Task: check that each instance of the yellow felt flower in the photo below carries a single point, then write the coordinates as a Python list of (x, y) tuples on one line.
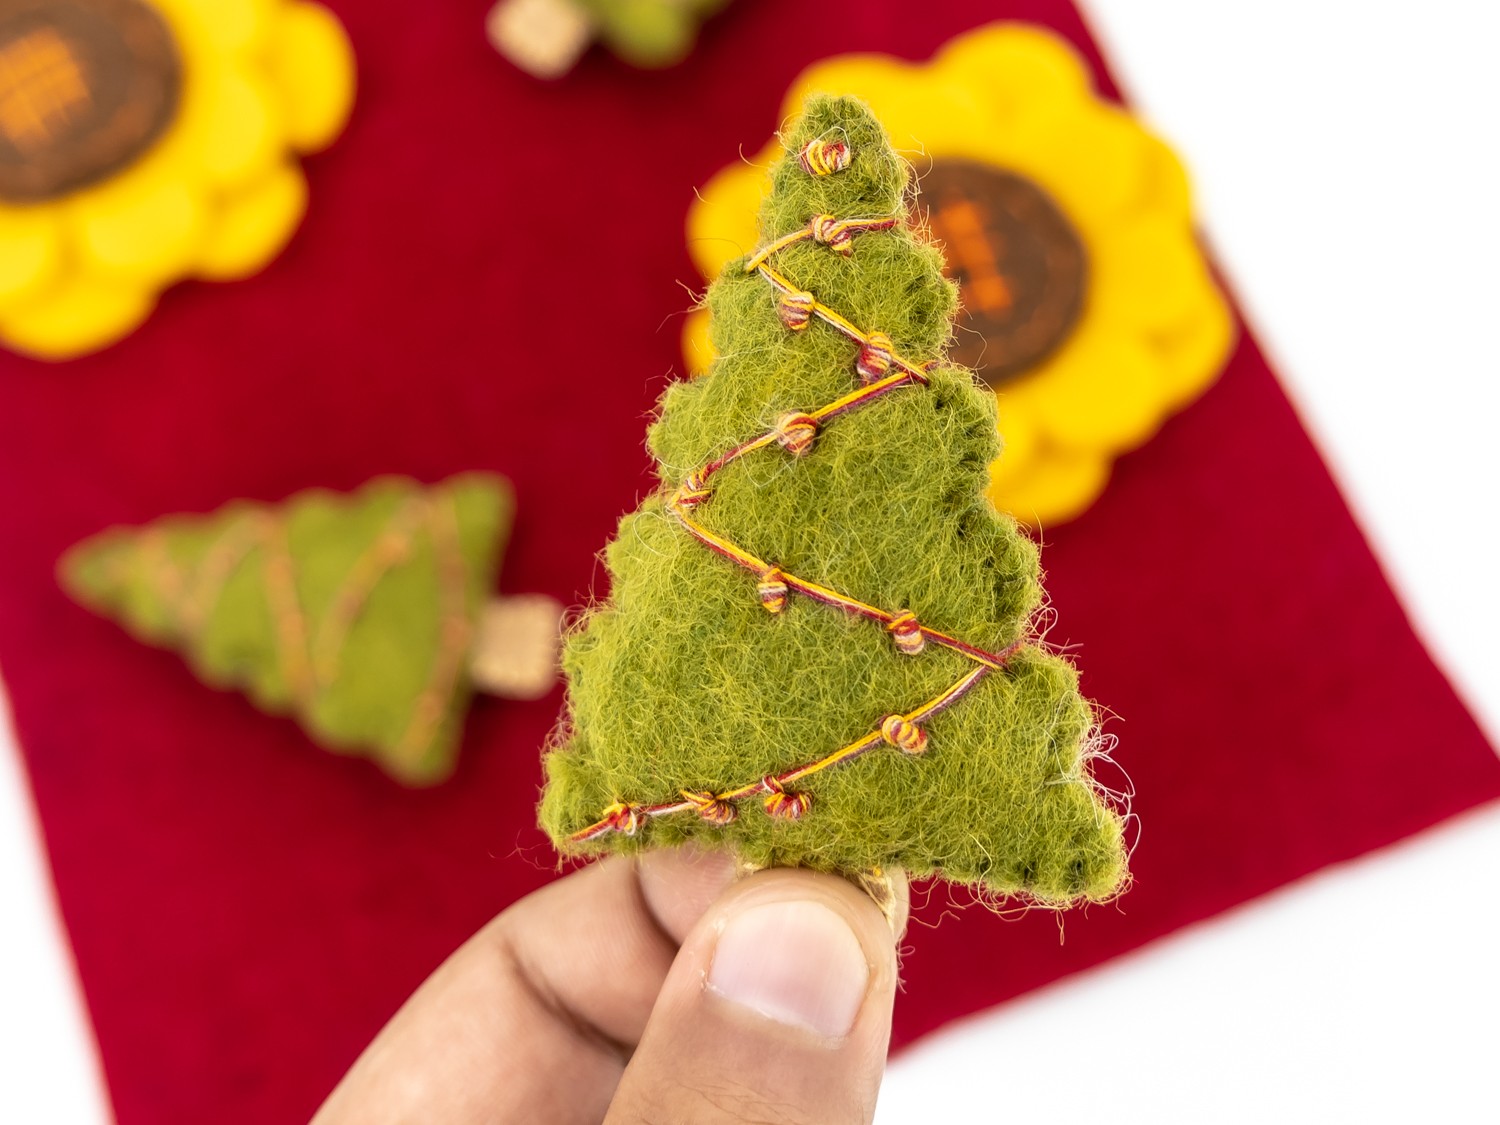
[(1087, 305), (143, 141)]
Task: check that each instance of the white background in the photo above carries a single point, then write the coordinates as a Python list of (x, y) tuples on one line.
[(1344, 156)]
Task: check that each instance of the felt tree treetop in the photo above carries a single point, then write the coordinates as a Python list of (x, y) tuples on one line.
[(819, 647), (363, 615)]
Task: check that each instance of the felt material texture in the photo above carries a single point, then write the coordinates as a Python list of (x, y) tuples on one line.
[(246, 912), (354, 613), (687, 681)]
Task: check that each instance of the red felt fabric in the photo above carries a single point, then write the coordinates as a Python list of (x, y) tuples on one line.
[(488, 278)]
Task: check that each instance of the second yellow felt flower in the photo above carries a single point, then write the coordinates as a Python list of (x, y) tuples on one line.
[(1087, 305), (144, 141)]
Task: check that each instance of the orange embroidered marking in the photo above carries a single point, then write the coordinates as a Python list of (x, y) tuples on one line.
[(784, 804), (836, 234), (772, 590), (280, 576), (961, 228), (795, 309), (907, 633), (620, 817), (713, 809), (163, 571), (874, 357), (390, 548), (903, 734), (818, 593), (219, 563), (42, 88), (615, 817), (455, 629), (693, 490), (796, 432)]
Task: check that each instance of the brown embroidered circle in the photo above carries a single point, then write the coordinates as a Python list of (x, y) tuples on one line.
[(1020, 266), (85, 87)]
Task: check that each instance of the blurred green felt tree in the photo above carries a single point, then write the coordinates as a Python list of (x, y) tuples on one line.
[(363, 615)]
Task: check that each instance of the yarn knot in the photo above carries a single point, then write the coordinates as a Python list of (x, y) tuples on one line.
[(693, 490), (795, 309), (875, 357), (624, 818), (772, 589), (795, 432), (833, 234), (823, 158), (906, 631), (903, 734), (715, 810), (784, 804)]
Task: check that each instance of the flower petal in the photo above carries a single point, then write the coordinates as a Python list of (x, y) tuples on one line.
[(1103, 392), (721, 222), (223, 27), (253, 225), (1012, 63), (229, 132), (1193, 352), (1165, 189), (1093, 163), (1020, 443), (1057, 487), (893, 88), (923, 111), (1146, 272), (312, 68), (81, 315), (139, 228), (30, 249)]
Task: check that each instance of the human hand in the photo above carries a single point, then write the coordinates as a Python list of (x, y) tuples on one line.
[(652, 990)]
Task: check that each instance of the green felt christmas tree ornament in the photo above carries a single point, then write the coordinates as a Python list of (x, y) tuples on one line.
[(546, 37), (367, 616), (819, 648)]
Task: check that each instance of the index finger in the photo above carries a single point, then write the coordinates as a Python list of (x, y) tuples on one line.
[(536, 1015)]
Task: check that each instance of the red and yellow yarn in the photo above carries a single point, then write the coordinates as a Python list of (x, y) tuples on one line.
[(823, 158)]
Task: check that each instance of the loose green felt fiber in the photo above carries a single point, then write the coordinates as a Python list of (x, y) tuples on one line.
[(683, 680), (351, 612)]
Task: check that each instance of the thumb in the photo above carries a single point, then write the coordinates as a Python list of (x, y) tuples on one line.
[(777, 1008)]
